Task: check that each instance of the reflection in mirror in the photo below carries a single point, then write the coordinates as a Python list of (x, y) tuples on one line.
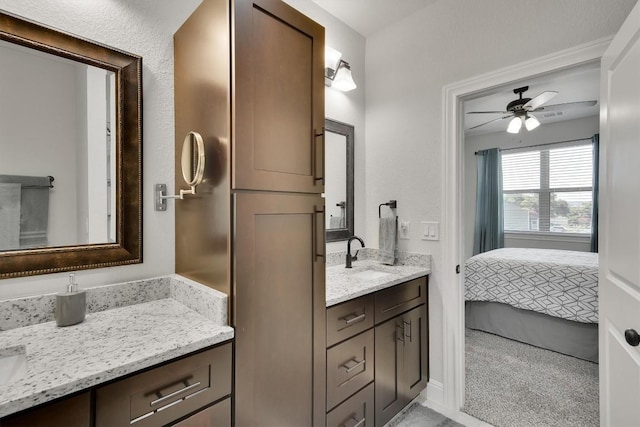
[(339, 152), (71, 144), (55, 121)]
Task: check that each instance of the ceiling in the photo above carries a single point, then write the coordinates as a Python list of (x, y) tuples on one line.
[(369, 16), (576, 84), (580, 83)]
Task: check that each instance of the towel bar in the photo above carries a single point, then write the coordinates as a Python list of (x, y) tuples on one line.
[(393, 204)]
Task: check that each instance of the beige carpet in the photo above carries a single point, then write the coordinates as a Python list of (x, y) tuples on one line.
[(511, 384)]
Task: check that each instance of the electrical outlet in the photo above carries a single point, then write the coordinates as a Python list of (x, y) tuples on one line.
[(430, 230), (404, 230)]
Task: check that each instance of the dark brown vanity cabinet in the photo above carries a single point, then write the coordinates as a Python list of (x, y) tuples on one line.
[(163, 395), (377, 355), (193, 391)]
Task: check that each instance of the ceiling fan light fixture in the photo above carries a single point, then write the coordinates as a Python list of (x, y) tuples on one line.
[(531, 123), (514, 125)]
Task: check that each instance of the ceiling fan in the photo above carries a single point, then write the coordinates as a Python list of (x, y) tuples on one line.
[(521, 110)]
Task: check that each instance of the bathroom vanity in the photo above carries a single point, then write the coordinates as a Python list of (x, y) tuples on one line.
[(163, 355), (377, 341)]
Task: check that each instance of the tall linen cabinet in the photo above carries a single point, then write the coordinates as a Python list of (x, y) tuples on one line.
[(249, 77)]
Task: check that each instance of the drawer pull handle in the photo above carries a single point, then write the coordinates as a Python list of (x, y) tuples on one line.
[(354, 367), (360, 423), (349, 320), (162, 398)]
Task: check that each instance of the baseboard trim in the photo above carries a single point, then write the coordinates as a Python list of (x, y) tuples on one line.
[(433, 394)]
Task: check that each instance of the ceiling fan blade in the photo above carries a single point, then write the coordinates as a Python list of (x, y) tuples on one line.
[(566, 105), (487, 112), (536, 102), (491, 121)]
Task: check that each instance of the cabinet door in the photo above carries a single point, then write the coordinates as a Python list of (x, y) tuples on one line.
[(278, 101), (401, 362), (68, 412), (416, 356), (279, 310), (389, 353)]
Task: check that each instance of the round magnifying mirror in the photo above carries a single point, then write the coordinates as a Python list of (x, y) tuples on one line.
[(193, 159)]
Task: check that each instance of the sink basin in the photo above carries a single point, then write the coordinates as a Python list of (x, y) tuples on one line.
[(370, 274), (13, 364)]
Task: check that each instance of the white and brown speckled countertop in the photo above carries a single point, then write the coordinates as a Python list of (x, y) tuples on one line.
[(183, 318), (342, 284)]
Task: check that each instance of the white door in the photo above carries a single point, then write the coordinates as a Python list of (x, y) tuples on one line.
[(620, 228)]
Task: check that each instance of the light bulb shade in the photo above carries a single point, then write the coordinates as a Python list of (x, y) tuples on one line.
[(343, 80), (331, 57), (514, 125), (531, 123)]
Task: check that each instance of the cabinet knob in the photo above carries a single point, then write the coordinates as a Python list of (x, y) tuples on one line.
[(632, 337)]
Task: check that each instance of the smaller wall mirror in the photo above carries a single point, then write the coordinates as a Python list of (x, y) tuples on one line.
[(193, 160), (339, 160)]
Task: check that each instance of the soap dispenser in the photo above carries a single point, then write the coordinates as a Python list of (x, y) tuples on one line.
[(71, 305)]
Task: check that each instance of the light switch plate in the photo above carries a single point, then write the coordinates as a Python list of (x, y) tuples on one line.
[(404, 230), (430, 230)]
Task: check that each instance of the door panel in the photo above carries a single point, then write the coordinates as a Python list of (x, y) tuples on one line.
[(619, 275), (279, 99), (388, 372), (416, 351), (278, 280)]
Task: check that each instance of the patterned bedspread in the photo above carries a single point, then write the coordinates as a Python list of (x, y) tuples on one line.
[(554, 282)]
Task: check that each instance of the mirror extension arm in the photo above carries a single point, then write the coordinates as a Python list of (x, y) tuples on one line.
[(192, 172)]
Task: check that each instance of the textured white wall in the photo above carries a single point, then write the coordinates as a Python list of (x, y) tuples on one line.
[(347, 107), (407, 66), (145, 28), (553, 132)]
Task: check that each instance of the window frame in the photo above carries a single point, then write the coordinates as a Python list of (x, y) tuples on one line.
[(545, 191)]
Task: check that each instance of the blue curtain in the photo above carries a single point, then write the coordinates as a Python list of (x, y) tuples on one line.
[(596, 190), (489, 225)]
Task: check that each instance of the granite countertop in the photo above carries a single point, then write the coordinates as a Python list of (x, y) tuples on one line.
[(344, 284), (108, 344)]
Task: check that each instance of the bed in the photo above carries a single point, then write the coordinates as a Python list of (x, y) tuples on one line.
[(544, 297)]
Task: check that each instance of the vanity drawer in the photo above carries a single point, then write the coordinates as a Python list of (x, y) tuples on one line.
[(348, 319), (350, 366), (162, 395), (357, 411), (400, 298)]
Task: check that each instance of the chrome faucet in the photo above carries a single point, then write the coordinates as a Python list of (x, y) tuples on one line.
[(349, 257)]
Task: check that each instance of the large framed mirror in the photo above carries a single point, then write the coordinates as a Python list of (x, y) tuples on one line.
[(339, 160), (71, 144)]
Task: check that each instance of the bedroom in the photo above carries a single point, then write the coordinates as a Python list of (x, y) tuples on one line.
[(541, 289)]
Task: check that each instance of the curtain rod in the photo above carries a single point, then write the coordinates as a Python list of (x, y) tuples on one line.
[(541, 145)]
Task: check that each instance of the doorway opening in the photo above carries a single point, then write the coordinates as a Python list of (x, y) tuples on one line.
[(454, 203), (531, 334)]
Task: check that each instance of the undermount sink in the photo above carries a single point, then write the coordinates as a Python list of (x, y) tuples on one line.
[(370, 274), (13, 364)]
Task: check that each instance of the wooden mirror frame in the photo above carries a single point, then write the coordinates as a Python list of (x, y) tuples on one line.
[(128, 75), (348, 131)]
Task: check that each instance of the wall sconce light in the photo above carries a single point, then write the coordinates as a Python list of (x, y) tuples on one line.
[(337, 72)]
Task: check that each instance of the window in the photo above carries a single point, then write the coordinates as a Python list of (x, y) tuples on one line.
[(548, 190)]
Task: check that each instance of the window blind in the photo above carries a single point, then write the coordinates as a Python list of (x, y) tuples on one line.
[(549, 189)]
